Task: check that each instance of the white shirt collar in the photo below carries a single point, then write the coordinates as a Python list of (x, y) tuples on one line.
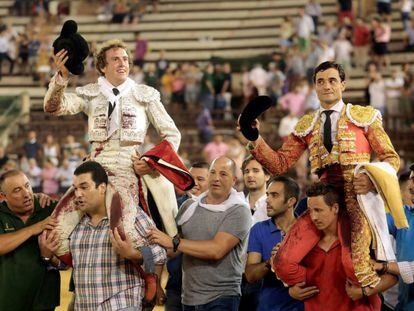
[(337, 107)]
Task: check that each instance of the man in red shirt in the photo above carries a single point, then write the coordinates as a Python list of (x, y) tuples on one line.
[(325, 285), (361, 41)]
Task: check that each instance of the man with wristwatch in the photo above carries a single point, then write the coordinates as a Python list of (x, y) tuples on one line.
[(213, 231), (26, 280)]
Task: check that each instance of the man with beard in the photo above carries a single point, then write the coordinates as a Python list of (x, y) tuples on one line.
[(255, 177), (282, 196), (26, 280)]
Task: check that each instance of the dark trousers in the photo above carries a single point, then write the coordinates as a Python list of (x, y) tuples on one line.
[(6, 56), (173, 302), (224, 303)]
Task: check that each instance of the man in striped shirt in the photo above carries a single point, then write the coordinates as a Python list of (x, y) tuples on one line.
[(103, 264)]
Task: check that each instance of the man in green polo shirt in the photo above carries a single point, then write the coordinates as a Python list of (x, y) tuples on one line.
[(27, 281)]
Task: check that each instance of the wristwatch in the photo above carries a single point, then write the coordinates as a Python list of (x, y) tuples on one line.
[(46, 259), (176, 241)]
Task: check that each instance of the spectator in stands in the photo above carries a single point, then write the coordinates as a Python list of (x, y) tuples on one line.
[(43, 64), (104, 13), (135, 11), (294, 101), (247, 85), (327, 52), (295, 65), (205, 125), (345, 10), (50, 184), (141, 49), (22, 7), (220, 102), (215, 149), (71, 145), (31, 147), (28, 280), (226, 90), (192, 78), (162, 64), (237, 153), (34, 174), (212, 242), (287, 125), (384, 9), (258, 78), (137, 75), (361, 41), (329, 32), (377, 93), (343, 50), (304, 29), (166, 85), (23, 53), (287, 32), (178, 91), (393, 86), (314, 10), (311, 60), (207, 87), (120, 12), (3, 157), (382, 36), (281, 198), (33, 48), (150, 76), (405, 8), (51, 149), (409, 36), (23, 164), (276, 79), (5, 45), (65, 176)]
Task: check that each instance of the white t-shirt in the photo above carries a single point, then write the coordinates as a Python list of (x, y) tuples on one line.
[(343, 49), (392, 83), (377, 94)]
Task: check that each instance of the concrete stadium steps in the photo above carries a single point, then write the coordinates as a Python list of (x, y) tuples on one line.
[(182, 6), (187, 35)]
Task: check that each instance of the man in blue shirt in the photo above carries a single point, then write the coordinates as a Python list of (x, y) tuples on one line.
[(405, 249), (282, 196)]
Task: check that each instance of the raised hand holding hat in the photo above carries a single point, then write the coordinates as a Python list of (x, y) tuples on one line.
[(249, 114), (70, 49)]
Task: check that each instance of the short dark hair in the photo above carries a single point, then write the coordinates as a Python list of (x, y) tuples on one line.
[(97, 171), (329, 193), (405, 176), (247, 161), (290, 186), (8, 174), (200, 164), (328, 65)]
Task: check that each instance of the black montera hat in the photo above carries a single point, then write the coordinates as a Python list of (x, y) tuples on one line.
[(74, 44), (252, 110)]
